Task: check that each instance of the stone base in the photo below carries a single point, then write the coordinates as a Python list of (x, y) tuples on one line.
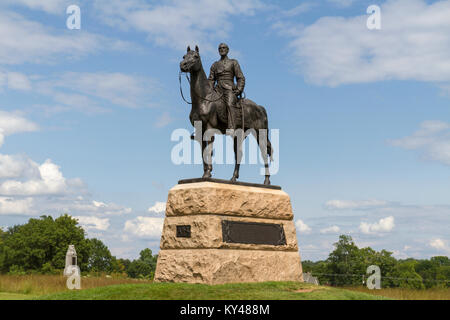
[(206, 231), (217, 233), (219, 266)]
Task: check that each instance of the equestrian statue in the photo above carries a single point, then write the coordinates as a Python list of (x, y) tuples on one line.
[(217, 102)]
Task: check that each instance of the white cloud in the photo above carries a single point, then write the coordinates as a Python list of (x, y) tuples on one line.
[(97, 208), (99, 204), (117, 88), (300, 9), (383, 225), (332, 229), (49, 6), (177, 23), (23, 183), (15, 81), (16, 166), (302, 227), (413, 44), (11, 206), (355, 205), (50, 181), (26, 41), (29, 188), (145, 227), (438, 244), (432, 140), (96, 92), (93, 223), (342, 3), (12, 123), (415, 225), (158, 207)]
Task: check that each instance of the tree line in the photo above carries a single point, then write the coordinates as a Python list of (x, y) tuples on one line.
[(346, 265), (40, 246)]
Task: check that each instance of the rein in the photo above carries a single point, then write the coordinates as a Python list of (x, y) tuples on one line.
[(181, 90)]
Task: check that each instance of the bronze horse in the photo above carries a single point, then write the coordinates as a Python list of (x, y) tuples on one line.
[(208, 107)]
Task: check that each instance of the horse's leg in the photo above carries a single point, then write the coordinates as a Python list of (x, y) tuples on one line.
[(263, 146), (207, 158), (237, 158)]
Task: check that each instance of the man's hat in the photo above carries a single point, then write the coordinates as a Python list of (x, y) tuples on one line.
[(224, 44)]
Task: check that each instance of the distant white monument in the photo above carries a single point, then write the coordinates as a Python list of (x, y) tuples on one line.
[(72, 271), (308, 278)]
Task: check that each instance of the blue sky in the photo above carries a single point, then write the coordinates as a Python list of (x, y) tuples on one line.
[(86, 115)]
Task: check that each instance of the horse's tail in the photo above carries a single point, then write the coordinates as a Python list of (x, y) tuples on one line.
[(266, 126)]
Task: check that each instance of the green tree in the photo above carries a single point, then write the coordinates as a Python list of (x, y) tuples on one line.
[(435, 272), (125, 262), (405, 276), (139, 269), (147, 256), (347, 264), (47, 268), (117, 266), (144, 267), (100, 258), (41, 241), (2, 255), (344, 262), (382, 259)]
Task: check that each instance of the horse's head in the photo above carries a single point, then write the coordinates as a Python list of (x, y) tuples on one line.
[(191, 61)]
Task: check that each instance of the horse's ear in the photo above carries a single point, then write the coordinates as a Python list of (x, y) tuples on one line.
[(188, 48), (196, 49)]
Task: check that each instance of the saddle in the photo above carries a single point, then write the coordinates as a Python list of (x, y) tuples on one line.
[(236, 111)]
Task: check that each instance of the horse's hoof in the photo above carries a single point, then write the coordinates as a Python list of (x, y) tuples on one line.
[(207, 174), (267, 181), (234, 179)]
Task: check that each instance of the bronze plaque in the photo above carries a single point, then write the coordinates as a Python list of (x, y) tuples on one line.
[(253, 233), (184, 231)]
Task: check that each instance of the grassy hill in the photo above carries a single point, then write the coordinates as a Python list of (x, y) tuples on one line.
[(241, 291), (54, 287)]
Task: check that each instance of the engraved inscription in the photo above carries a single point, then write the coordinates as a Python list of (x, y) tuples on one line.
[(184, 231), (253, 233)]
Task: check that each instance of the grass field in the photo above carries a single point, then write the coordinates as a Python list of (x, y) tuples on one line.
[(53, 288), (407, 294), (241, 291), (36, 285), (95, 288)]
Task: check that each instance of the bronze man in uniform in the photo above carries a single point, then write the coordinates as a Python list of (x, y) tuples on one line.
[(224, 71)]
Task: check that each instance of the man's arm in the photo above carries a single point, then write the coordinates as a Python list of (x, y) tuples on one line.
[(212, 75), (240, 79)]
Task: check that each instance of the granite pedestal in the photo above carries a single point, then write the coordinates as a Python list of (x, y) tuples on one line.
[(217, 232)]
